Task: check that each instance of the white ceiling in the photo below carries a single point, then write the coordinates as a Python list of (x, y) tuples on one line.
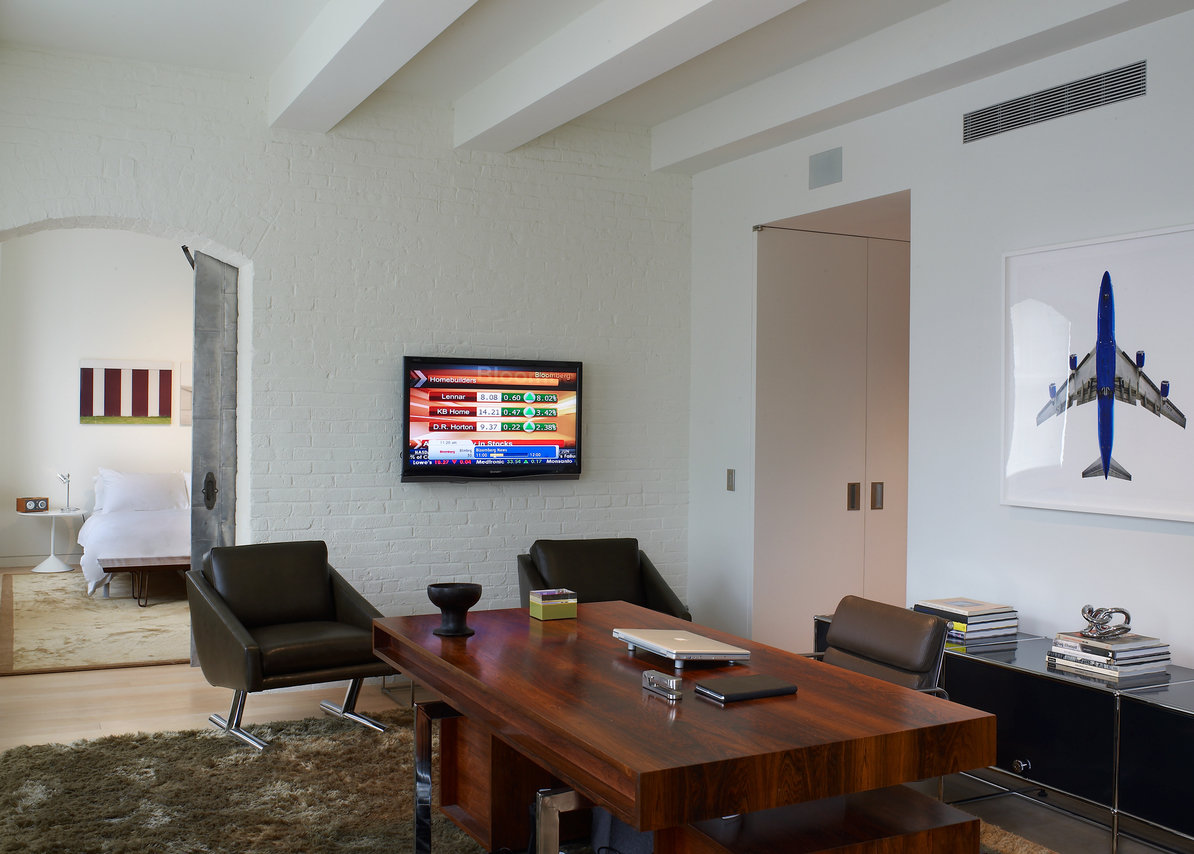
[(515, 69)]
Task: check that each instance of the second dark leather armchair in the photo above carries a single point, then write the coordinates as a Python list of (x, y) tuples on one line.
[(599, 571)]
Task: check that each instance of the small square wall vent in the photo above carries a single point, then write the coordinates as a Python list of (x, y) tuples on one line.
[(1119, 84)]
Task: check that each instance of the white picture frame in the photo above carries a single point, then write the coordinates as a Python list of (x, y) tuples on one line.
[(1051, 302)]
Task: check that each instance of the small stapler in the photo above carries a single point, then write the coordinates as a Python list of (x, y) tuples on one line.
[(663, 684)]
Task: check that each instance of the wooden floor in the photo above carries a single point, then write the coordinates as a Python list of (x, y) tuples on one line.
[(61, 707), (44, 708), (1047, 821)]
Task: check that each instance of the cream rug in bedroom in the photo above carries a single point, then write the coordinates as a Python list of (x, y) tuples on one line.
[(48, 623)]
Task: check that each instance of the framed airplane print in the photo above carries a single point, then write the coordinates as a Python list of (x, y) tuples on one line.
[(1099, 376)]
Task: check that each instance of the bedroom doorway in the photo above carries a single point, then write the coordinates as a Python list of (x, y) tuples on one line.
[(211, 293)]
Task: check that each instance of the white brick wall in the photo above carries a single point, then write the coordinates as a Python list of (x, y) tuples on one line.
[(380, 239)]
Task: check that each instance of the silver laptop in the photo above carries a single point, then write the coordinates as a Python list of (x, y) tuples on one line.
[(680, 646)]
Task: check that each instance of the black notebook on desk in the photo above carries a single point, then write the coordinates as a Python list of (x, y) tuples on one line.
[(728, 689)]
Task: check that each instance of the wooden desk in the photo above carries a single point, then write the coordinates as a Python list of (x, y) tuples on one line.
[(561, 702)]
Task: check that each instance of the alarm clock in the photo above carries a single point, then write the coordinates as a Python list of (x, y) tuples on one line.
[(33, 505)]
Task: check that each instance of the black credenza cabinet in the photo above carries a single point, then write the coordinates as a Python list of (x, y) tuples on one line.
[(1052, 731), (1156, 755)]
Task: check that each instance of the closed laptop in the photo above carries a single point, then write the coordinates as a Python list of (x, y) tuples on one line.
[(680, 645)]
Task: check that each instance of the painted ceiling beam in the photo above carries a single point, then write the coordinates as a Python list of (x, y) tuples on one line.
[(350, 49), (612, 48), (948, 46)]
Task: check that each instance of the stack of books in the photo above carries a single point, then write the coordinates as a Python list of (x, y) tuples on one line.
[(1108, 658), (973, 622)]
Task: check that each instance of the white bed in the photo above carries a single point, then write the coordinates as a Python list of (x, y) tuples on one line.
[(135, 515)]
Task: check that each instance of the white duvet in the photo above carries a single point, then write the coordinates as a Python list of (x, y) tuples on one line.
[(132, 533)]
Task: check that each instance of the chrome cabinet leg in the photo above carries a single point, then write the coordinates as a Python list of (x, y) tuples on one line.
[(231, 724), (549, 803), (425, 714), (348, 709)]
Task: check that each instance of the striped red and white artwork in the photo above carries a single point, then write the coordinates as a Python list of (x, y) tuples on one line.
[(114, 391)]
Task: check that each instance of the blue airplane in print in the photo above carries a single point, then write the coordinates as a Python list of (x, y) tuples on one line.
[(1108, 374)]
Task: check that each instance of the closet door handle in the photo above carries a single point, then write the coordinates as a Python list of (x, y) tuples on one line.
[(877, 495), (853, 496)]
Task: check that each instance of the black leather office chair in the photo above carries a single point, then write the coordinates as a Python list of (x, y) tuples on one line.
[(274, 615), (888, 642), (599, 571)]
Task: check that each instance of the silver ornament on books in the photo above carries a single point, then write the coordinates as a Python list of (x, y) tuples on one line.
[(1099, 622)]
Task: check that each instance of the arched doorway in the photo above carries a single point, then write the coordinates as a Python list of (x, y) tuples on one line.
[(211, 441)]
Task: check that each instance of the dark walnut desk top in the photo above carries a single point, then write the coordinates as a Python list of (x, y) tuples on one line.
[(569, 696)]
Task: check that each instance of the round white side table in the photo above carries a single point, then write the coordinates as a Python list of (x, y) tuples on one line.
[(53, 563)]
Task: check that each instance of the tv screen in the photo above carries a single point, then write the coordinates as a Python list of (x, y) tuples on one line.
[(484, 419)]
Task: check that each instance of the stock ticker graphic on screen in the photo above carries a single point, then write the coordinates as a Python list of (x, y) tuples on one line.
[(474, 419)]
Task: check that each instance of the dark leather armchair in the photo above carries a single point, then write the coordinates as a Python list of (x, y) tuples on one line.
[(888, 642), (599, 571), (274, 615)]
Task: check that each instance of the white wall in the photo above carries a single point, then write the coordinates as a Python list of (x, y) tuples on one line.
[(72, 294), (376, 240), (1118, 169)]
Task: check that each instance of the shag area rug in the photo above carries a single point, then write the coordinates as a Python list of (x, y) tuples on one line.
[(48, 623), (323, 785)]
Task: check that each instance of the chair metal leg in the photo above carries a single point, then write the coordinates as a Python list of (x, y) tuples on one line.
[(549, 803), (425, 713), (348, 709), (231, 724)]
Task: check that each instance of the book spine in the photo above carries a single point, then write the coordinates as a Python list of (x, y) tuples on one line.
[(974, 637), (1111, 656), (1102, 668), (956, 617), (1074, 646), (985, 629), (1097, 647), (1056, 657), (1085, 671), (1082, 667), (992, 626)]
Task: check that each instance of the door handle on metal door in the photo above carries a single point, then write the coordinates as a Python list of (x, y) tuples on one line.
[(209, 491)]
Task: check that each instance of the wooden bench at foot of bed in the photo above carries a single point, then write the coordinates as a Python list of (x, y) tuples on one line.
[(140, 568)]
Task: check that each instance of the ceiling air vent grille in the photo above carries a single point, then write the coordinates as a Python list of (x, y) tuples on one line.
[(1119, 84)]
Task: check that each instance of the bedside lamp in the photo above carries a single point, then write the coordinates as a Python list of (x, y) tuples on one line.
[(65, 478)]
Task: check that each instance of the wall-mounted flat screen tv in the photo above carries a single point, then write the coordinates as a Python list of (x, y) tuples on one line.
[(490, 419)]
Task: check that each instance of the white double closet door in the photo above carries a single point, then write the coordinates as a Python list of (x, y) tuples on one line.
[(831, 437)]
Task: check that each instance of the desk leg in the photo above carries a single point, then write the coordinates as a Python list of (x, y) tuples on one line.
[(549, 803), (425, 714)]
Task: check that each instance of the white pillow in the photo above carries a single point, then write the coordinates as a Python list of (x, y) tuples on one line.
[(135, 491), (98, 482)]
